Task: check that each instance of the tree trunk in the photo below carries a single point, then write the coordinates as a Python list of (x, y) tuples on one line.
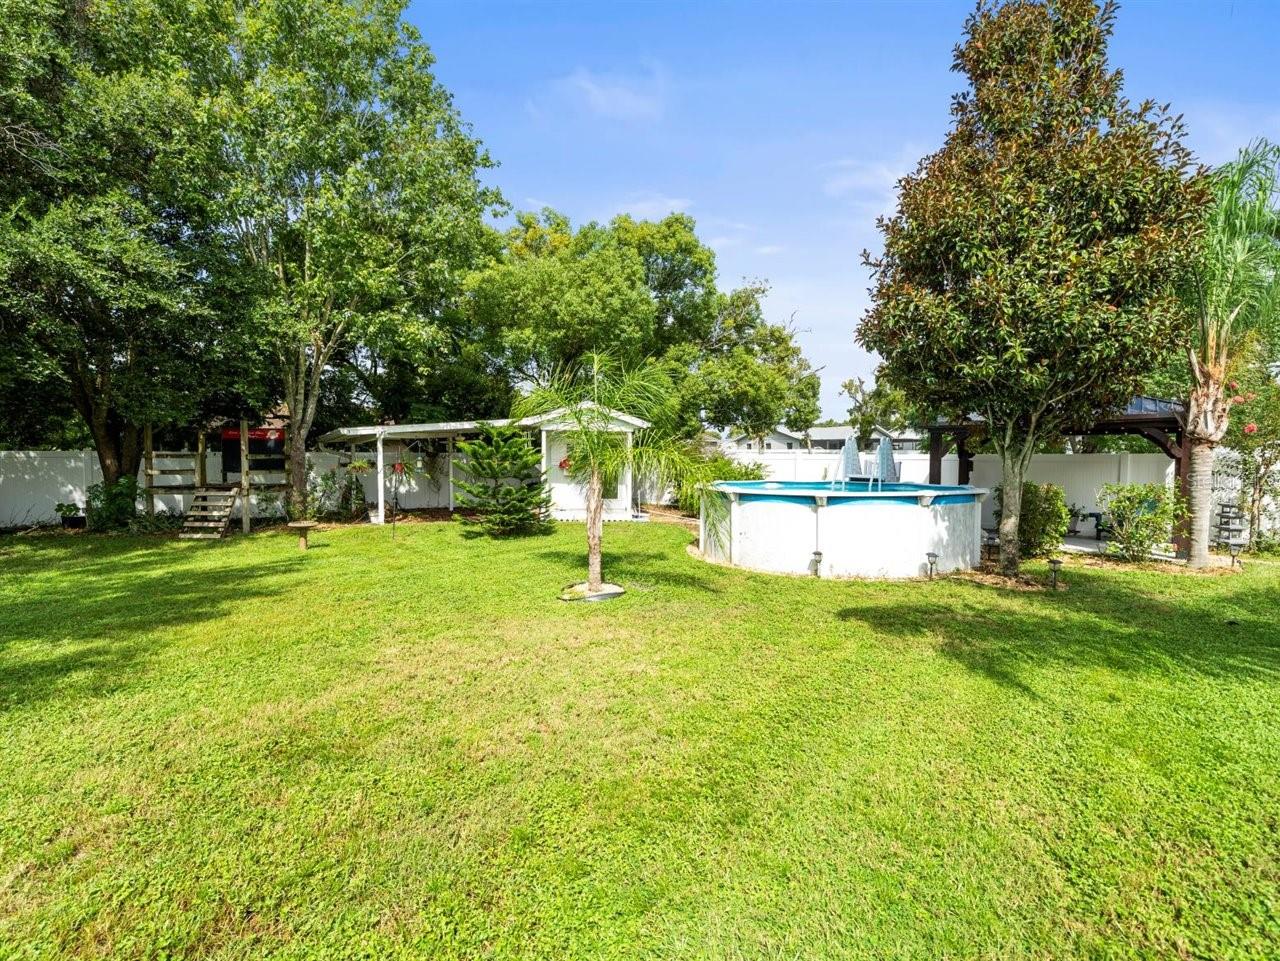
[(1200, 487), (1207, 414), (119, 448), (595, 529), (297, 466), (117, 441), (1013, 466)]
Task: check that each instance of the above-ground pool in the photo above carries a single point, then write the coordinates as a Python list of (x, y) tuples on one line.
[(842, 529)]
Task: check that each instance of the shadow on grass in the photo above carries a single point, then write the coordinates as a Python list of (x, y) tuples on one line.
[(1100, 622), (634, 568), (87, 614)]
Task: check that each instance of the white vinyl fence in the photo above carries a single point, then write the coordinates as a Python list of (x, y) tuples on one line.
[(32, 483)]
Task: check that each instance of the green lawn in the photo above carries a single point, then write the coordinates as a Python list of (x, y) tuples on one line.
[(411, 748)]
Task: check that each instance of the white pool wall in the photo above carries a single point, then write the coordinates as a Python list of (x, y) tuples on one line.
[(861, 536)]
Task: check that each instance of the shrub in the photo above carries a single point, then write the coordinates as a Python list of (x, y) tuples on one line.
[(507, 493), (1044, 519), (162, 521), (1142, 517), (337, 495), (110, 507), (716, 467)]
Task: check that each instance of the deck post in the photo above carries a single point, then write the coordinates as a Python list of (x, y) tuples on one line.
[(202, 465), (382, 499), (1182, 484), (453, 449), (149, 468), (244, 475)]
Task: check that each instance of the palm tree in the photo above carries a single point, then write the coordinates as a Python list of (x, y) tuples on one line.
[(584, 397), (1234, 291)]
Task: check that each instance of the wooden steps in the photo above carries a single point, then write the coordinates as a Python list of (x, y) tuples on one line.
[(209, 514)]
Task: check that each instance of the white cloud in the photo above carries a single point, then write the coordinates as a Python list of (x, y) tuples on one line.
[(653, 206), (634, 97), (870, 186), (767, 250), (1216, 130), (856, 177), (537, 203)]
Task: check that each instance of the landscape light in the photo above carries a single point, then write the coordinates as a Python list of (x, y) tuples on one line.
[(933, 563), (1055, 565)]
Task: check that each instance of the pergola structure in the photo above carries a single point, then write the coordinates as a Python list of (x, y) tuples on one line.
[(549, 430), (1163, 422)]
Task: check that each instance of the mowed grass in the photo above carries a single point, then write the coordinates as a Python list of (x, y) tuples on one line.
[(410, 748)]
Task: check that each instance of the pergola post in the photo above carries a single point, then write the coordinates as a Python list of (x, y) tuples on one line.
[(1182, 484), (935, 455), (965, 458), (382, 496), (453, 448)]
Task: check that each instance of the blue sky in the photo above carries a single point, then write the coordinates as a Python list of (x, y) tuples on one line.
[(781, 127)]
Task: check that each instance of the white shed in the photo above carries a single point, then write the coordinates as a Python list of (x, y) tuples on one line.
[(439, 442)]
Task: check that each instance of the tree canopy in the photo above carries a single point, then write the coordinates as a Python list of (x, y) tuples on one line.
[(639, 290), (222, 208), (112, 276)]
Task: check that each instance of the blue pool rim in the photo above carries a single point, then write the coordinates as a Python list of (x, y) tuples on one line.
[(849, 492)]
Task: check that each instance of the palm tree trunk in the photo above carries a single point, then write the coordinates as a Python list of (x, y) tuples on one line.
[(1200, 487), (595, 530), (1206, 425)]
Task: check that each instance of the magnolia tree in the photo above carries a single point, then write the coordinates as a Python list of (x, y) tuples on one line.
[(1235, 294), (1029, 273)]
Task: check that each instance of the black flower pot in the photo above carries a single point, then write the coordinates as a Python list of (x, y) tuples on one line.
[(75, 522)]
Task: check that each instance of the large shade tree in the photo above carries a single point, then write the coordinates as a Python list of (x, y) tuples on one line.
[(114, 275), (749, 374), (352, 191), (1234, 294), (1029, 274), (638, 290)]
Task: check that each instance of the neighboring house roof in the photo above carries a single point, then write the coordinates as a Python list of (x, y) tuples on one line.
[(839, 432), (553, 420), (780, 431)]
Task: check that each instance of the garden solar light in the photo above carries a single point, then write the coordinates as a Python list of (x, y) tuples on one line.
[(933, 563), (1055, 565), (817, 563)]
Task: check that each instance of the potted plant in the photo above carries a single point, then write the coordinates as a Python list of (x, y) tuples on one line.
[(72, 519), (1077, 515)]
